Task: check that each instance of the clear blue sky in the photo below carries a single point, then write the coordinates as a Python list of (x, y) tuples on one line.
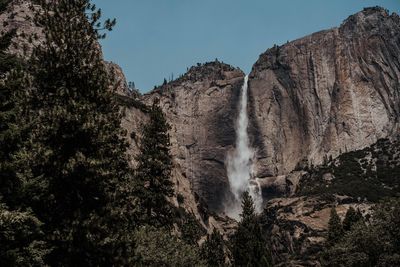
[(155, 38)]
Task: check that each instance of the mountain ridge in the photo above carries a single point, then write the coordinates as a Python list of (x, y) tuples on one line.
[(300, 106)]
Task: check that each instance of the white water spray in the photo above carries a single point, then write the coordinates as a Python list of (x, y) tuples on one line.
[(239, 163)]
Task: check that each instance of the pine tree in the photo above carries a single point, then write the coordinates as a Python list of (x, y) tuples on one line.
[(213, 249), (335, 228), (78, 181), (154, 169), (248, 209), (352, 216), (11, 82), (156, 246), (374, 244), (248, 243), (21, 238)]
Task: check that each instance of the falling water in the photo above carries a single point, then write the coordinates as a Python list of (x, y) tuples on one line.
[(239, 163)]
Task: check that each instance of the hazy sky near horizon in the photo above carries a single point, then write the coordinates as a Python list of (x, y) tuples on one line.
[(155, 38)]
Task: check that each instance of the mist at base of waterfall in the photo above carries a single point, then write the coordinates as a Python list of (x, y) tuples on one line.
[(239, 164)]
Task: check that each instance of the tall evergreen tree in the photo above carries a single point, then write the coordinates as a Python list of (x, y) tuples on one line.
[(335, 228), (11, 121), (21, 238), (212, 250), (248, 209), (352, 216), (10, 115), (249, 246), (78, 181), (154, 169)]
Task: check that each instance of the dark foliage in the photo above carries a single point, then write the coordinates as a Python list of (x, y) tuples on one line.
[(372, 173), (351, 218), (376, 243), (212, 251), (154, 170), (75, 173), (156, 246), (12, 123), (249, 247), (4, 4), (335, 228), (191, 229), (130, 102), (21, 237)]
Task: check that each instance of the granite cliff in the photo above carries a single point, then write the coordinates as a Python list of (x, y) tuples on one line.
[(327, 93), (319, 96), (201, 106)]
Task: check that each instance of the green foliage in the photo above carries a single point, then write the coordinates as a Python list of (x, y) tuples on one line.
[(14, 129), (248, 243), (157, 247), (212, 251), (371, 173), (335, 228), (130, 102), (248, 209), (21, 239), (374, 244), (190, 228), (12, 121), (64, 173), (7, 61), (187, 224), (76, 175), (180, 198), (352, 217), (154, 170), (4, 4)]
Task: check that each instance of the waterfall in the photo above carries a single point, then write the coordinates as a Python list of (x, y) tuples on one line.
[(240, 163)]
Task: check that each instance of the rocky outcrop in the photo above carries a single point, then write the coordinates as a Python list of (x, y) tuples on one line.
[(19, 16), (297, 227), (119, 84), (201, 107), (371, 174), (333, 91)]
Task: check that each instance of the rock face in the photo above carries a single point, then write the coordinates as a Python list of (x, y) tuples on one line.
[(201, 107), (333, 91), (19, 16), (297, 227), (120, 86)]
